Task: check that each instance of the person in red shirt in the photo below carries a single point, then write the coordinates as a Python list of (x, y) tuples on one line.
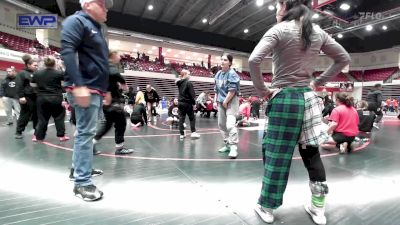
[(344, 120)]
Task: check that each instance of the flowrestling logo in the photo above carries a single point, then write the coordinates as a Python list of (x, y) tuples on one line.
[(41, 21)]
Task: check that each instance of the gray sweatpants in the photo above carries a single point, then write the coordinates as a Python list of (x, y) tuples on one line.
[(227, 121), (11, 104)]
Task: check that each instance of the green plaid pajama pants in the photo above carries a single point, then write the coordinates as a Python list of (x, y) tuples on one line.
[(282, 134)]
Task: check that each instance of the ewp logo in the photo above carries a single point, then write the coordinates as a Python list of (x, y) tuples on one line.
[(47, 21)]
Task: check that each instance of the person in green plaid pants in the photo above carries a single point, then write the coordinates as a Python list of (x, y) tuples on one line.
[(294, 111)]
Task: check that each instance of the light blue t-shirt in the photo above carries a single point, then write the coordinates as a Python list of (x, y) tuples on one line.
[(225, 82)]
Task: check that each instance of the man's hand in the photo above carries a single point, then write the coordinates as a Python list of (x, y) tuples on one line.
[(225, 105), (22, 100), (107, 99), (81, 96)]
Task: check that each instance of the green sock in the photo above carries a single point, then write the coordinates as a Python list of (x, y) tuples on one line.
[(318, 202)]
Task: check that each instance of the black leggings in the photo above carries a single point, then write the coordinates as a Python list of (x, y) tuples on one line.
[(312, 161)]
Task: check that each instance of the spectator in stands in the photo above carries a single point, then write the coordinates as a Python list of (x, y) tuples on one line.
[(49, 99), (114, 108), (186, 103), (374, 99), (8, 93), (173, 113), (152, 99), (27, 96), (139, 115), (294, 108), (227, 88), (343, 122), (86, 61)]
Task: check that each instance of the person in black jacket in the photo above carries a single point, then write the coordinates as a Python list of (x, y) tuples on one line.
[(49, 99), (152, 98), (27, 96), (139, 115), (374, 99), (8, 93), (186, 103), (113, 107)]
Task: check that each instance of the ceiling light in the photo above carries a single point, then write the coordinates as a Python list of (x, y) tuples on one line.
[(345, 6), (369, 27), (150, 7), (384, 27), (204, 20), (271, 7), (315, 16), (259, 3), (246, 31), (340, 36)]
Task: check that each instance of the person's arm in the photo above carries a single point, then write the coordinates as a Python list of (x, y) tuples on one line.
[(192, 93), (336, 52), (332, 126), (233, 83), (72, 35), (170, 111), (2, 88), (333, 121), (379, 99), (263, 48)]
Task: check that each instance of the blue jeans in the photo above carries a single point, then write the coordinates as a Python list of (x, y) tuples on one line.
[(86, 122)]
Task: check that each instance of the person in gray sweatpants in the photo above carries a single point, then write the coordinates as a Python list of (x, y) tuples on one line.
[(227, 87)]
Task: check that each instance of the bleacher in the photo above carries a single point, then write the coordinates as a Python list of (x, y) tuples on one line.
[(379, 74), (25, 45), (194, 70), (168, 89), (338, 78)]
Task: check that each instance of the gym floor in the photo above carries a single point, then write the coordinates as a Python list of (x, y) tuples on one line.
[(169, 181)]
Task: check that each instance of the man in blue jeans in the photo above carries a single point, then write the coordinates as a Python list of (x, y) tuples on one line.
[(85, 55)]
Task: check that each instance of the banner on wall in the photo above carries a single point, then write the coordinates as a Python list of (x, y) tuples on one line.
[(37, 21)]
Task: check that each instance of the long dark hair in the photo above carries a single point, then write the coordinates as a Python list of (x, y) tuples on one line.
[(295, 9)]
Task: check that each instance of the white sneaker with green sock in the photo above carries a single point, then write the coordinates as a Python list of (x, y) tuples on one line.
[(316, 208)]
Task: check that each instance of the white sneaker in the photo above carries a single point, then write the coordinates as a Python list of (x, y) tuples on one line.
[(317, 215), (181, 137), (233, 152), (195, 135), (343, 148), (224, 149), (265, 214)]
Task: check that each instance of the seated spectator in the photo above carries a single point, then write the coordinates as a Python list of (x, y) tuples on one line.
[(366, 118), (244, 114), (139, 115), (343, 125), (173, 113)]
